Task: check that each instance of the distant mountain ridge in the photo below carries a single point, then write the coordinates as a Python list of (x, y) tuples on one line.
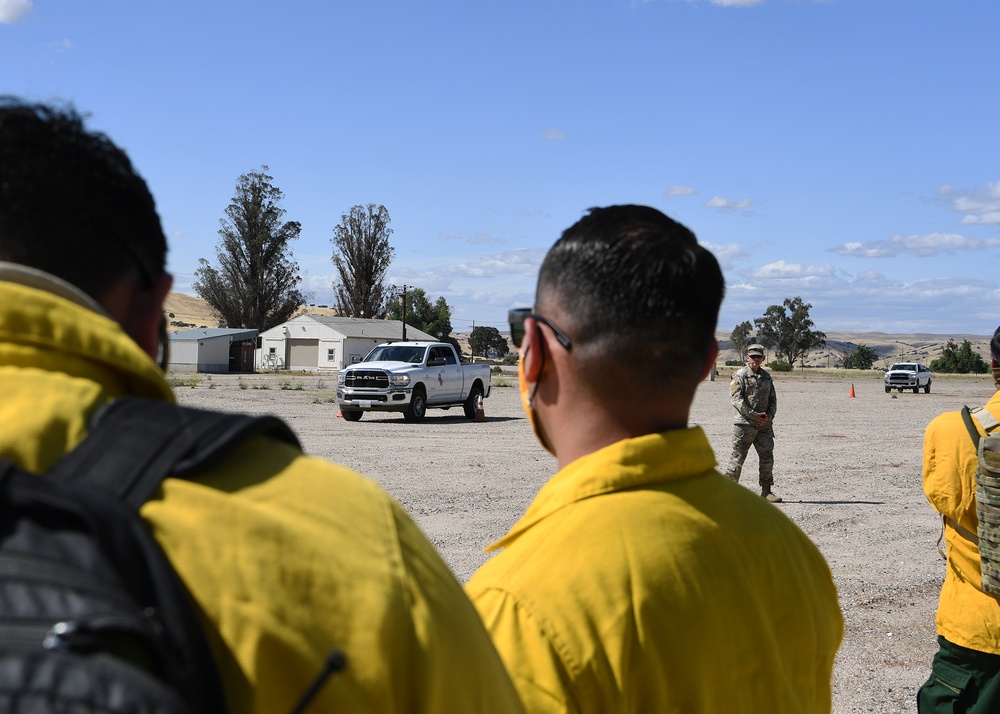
[(188, 311)]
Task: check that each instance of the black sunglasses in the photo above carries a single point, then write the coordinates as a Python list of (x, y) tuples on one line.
[(516, 319)]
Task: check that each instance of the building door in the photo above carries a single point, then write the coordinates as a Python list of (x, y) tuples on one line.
[(303, 354)]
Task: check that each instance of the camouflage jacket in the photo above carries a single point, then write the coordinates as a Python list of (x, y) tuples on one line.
[(753, 393)]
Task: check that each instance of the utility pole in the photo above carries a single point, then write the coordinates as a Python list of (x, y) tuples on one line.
[(402, 302)]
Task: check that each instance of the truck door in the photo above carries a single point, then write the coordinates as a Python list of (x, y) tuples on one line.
[(448, 376)]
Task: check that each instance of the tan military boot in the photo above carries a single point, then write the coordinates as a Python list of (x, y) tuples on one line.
[(765, 492)]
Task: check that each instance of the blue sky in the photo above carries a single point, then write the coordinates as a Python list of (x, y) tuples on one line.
[(843, 151)]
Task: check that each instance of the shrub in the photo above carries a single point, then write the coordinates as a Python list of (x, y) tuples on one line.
[(733, 363), (510, 360), (779, 366)]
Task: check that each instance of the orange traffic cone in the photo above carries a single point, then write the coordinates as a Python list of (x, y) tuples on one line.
[(852, 391), (480, 412), (340, 415)]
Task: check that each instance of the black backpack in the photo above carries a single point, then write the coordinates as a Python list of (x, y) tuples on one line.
[(93, 617)]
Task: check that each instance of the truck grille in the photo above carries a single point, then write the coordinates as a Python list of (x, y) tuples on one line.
[(366, 378)]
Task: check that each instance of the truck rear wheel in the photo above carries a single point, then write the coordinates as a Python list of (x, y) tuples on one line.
[(470, 403), (927, 389), (417, 408)]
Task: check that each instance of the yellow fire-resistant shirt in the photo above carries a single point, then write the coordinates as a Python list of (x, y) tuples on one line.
[(641, 580), (966, 615), (287, 556)]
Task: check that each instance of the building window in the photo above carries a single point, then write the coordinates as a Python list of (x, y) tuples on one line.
[(271, 350), (331, 355)]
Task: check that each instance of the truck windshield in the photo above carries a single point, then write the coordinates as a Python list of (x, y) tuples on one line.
[(904, 367), (397, 353)]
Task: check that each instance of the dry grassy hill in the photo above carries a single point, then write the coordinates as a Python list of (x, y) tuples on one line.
[(187, 311)]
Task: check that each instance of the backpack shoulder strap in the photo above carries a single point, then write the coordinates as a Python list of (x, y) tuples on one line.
[(970, 426), (985, 418), (135, 443)]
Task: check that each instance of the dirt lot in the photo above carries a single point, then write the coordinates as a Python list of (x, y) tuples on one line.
[(847, 468)]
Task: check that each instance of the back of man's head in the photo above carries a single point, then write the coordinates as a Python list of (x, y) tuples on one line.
[(995, 346), (71, 203), (636, 290)]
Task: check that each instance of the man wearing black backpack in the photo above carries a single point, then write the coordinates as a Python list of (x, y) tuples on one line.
[(286, 556), (965, 674)]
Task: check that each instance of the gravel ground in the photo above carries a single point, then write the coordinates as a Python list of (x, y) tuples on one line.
[(847, 468)]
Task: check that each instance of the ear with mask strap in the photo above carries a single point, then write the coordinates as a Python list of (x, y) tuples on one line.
[(528, 397)]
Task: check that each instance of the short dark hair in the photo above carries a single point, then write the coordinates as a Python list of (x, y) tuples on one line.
[(633, 285), (70, 202), (995, 345)]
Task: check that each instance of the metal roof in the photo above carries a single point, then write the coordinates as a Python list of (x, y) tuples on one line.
[(371, 329), (212, 333)]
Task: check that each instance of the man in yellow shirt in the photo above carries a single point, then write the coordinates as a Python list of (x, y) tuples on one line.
[(965, 675), (286, 556), (641, 579)]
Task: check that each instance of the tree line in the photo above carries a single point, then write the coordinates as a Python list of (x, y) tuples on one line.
[(787, 329), (255, 282)]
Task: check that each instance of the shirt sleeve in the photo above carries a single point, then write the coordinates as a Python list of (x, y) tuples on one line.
[(949, 470), (772, 402), (539, 674), (737, 391), (456, 667)]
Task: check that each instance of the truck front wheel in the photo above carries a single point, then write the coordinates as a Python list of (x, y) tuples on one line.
[(470, 403), (927, 389), (417, 408), (351, 414)]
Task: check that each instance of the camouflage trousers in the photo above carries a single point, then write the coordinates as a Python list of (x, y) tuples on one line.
[(762, 440)]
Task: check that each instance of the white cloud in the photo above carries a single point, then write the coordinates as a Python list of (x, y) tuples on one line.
[(554, 134), (980, 199), (478, 239), (524, 262), (728, 205), (679, 191), (992, 218), (737, 3), (726, 254), (922, 246), (780, 270), (13, 10), (483, 239), (981, 205)]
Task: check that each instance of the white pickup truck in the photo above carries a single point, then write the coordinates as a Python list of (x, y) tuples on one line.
[(908, 375), (411, 377)]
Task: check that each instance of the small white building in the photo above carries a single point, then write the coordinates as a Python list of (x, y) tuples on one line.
[(319, 343), (212, 350)]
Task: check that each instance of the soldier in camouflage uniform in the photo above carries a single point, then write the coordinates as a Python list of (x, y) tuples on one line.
[(753, 397)]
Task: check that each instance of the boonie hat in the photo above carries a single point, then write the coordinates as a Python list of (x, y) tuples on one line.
[(755, 350)]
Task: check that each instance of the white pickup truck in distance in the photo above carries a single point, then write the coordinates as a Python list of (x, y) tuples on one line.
[(411, 377), (908, 375)]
